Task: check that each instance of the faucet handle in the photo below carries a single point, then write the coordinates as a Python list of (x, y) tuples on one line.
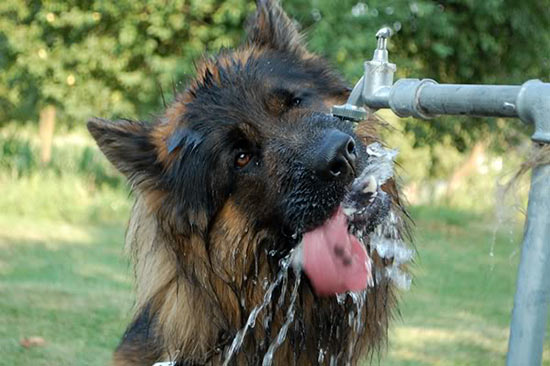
[(382, 37), (381, 52)]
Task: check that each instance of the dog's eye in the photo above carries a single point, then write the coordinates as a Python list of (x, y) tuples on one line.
[(295, 102), (242, 159)]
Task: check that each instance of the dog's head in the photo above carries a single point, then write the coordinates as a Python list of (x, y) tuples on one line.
[(247, 150)]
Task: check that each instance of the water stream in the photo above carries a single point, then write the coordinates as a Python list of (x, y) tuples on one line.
[(251, 321), (289, 318)]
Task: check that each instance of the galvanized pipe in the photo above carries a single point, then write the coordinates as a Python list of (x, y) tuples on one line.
[(426, 99), (533, 284), (471, 100)]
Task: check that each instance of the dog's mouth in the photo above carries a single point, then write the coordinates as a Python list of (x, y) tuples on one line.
[(334, 260), (333, 254)]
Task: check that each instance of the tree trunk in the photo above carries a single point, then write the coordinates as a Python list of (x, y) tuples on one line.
[(47, 126)]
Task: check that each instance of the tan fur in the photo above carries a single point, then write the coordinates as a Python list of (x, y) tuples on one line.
[(164, 130), (159, 284)]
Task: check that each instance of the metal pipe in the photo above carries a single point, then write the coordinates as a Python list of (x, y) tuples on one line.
[(471, 100), (533, 105), (426, 99), (533, 284), (530, 102)]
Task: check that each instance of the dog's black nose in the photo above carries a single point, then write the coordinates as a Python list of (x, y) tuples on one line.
[(336, 156)]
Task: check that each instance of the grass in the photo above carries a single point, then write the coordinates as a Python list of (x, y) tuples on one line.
[(77, 186), (70, 284), (66, 283), (458, 310), (63, 275)]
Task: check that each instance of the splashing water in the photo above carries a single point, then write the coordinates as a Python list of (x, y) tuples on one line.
[(281, 336), (387, 242), (251, 321), (321, 356), (359, 300), (380, 163), (386, 238)]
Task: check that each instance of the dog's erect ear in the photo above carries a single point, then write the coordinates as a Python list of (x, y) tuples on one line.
[(127, 145), (271, 27)]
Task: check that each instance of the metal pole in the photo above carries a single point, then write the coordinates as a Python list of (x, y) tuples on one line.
[(533, 284)]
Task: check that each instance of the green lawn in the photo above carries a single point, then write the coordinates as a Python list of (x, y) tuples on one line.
[(71, 285), (458, 310)]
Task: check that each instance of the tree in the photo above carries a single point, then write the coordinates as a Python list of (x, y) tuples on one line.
[(105, 58), (94, 57)]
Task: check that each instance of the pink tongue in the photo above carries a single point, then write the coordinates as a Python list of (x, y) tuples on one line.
[(334, 260)]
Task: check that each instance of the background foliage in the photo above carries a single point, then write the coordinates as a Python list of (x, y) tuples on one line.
[(108, 58), (102, 57), (118, 59)]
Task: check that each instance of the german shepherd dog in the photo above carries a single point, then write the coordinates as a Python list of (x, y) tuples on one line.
[(236, 172)]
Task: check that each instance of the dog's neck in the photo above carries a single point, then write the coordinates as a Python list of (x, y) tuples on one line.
[(196, 319)]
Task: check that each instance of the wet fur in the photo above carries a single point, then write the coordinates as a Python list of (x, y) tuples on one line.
[(201, 237)]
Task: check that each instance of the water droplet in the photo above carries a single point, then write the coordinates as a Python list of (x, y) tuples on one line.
[(359, 9), (397, 26), (316, 15), (321, 356)]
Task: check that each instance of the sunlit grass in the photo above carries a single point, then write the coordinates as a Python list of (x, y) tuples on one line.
[(70, 286), (458, 310), (67, 198), (63, 275), (77, 186)]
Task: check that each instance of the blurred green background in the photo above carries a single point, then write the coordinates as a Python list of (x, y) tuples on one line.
[(63, 209)]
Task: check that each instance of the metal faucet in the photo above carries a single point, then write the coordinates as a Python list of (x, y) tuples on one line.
[(427, 99), (378, 73), (531, 103)]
